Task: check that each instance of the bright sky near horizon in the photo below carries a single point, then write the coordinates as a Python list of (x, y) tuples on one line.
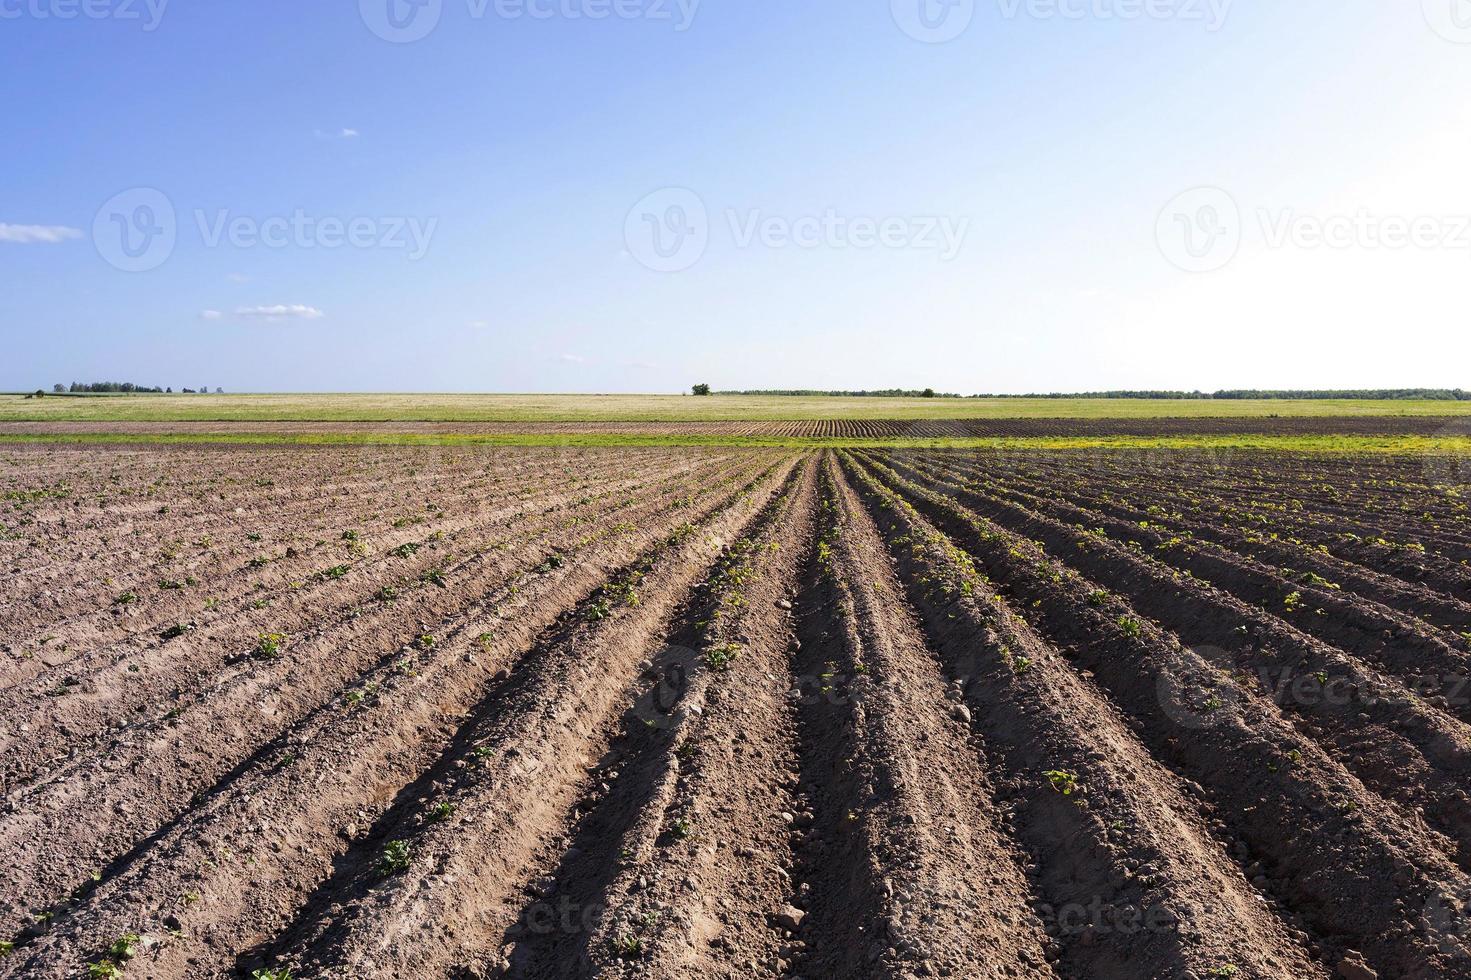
[(634, 195)]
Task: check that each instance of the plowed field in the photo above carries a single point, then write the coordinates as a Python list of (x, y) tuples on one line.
[(732, 712)]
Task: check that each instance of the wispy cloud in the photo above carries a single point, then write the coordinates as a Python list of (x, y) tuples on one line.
[(280, 312), (571, 358), (337, 134), (32, 234), (210, 314)]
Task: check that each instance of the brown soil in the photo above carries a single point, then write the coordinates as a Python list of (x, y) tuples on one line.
[(742, 713)]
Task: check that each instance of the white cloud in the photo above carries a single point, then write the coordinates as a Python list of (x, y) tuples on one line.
[(344, 133), (210, 314), (279, 312), (31, 234), (571, 358), (479, 324)]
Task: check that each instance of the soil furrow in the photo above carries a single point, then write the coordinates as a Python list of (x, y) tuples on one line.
[(1262, 776), (361, 759), (1131, 881), (534, 747), (206, 738)]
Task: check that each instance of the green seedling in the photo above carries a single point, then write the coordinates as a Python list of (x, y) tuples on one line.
[(628, 946), (1063, 782), (125, 948), (394, 859), (722, 658), (269, 645)]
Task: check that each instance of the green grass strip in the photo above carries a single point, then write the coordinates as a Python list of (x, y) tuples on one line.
[(1398, 445)]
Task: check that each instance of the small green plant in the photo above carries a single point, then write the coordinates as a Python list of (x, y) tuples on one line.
[(1293, 601), (628, 946), (1214, 703), (280, 973), (105, 969), (406, 550), (1130, 626), (440, 812), (269, 645), (600, 609), (125, 947), (1225, 970), (1021, 664), (350, 535), (1097, 597), (1063, 782), (6, 948), (175, 631), (425, 642), (682, 828), (335, 572), (126, 599), (394, 859), (721, 658), (387, 594)]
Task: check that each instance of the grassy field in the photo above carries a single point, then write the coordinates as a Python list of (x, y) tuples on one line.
[(654, 408), (1337, 444)]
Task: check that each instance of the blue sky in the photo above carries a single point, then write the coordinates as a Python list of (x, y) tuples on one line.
[(1065, 195)]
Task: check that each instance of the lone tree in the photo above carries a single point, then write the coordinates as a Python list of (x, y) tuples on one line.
[(928, 393), (701, 389), (59, 389)]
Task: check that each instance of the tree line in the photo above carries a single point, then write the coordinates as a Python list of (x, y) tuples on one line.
[(124, 387), (883, 393), (1264, 394), (1270, 394)]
